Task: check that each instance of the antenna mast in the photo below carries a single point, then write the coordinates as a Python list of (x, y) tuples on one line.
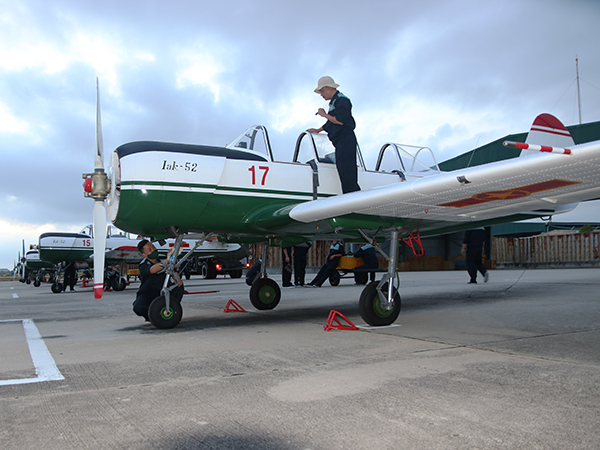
[(578, 91)]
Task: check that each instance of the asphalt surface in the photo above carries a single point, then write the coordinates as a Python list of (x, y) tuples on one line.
[(511, 364)]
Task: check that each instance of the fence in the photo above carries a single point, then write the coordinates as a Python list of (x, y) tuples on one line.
[(576, 249)]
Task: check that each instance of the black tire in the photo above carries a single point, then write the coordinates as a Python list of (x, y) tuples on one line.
[(37, 283), (334, 277), (28, 281), (56, 288), (187, 271), (159, 316), (209, 271), (235, 273), (370, 306), (119, 284), (265, 294)]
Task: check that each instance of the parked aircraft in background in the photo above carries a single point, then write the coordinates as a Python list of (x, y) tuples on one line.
[(121, 248), (241, 194)]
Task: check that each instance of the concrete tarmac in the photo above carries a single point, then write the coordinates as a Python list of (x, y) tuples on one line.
[(511, 364)]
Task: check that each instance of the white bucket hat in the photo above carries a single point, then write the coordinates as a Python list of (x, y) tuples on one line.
[(326, 81)]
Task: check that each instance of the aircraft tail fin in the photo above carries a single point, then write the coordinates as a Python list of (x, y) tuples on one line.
[(548, 130)]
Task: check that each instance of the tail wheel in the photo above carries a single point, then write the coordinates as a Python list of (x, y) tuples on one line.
[(265, 294), (370, 306), (163, 318), (334, 278)]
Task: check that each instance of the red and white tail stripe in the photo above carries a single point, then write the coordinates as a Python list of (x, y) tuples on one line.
[(537, 148)]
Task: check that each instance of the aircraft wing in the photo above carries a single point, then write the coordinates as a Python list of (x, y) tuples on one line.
[(540, 184)]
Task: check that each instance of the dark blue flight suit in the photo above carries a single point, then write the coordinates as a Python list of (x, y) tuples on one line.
[(474, 240), (369, 257), (150, 287), (329, 265), (344, 140)]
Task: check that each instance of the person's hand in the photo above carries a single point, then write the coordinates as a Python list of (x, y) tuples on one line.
[(321, 112), (312, 130)]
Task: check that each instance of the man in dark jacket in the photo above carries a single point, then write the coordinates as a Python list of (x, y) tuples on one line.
[(336, 251), (152, 278), (472, 248), (369, 257), (339, 127)]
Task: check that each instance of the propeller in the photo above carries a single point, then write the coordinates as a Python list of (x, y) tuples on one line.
[(96, 186)]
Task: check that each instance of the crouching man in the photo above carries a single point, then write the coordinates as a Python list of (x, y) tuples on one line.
[(152, 278)]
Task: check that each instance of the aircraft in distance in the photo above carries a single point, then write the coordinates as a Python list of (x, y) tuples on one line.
[(56, 248), (35, 269), (241, 194)]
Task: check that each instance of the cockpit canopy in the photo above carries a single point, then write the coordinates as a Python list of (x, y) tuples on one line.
[(317, 148)]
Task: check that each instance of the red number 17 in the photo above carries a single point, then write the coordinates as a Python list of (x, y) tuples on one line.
[(253, 170)]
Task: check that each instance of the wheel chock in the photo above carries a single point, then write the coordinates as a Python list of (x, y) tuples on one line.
[(232, 306), (333, 317)]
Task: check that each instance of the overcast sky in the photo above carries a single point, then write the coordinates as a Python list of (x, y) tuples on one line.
[(450, 75)]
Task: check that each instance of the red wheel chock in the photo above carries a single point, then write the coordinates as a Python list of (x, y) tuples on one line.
[(333, 317), (232, 306)]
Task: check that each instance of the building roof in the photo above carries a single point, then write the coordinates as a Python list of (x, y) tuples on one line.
[(495, 151)]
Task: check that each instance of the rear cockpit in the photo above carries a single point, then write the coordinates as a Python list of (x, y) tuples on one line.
[(406, 161)]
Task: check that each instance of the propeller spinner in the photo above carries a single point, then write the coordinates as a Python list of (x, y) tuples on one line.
[(97, 186)]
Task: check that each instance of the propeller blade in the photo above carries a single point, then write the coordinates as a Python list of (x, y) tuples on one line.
[(99, 246), (99, 156)]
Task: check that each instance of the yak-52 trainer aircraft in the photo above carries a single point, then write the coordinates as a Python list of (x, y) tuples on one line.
[(240, 194)]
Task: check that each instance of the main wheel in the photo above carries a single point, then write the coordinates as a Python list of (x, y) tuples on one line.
[(160, 317), (37, 283), (119, 284), (370, 306), (265, 294), (235, 273), (56, 288), (334, 277)]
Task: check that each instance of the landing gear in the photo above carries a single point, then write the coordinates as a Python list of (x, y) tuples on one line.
[(163, 316), (370, 306), (56, 287), (119, 284), (379, 303), (265, 294)]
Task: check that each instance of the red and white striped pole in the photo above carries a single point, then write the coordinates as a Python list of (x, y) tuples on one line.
[(537, 148)]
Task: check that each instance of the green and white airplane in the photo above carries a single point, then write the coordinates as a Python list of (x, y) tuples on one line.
[(241, 194)]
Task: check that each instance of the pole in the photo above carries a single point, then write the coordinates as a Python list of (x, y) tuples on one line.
[(578, 90)]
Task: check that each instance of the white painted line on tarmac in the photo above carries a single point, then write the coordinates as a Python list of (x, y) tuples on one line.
[(44, 364)]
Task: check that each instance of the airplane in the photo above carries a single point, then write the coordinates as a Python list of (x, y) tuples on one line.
[(121, 248), (35, 269), (241, 194)]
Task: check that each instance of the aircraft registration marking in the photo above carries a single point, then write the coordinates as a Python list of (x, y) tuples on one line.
[(44, 364), (509, 194)]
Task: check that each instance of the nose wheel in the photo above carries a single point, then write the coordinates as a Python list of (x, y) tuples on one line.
[(265, 294), (161, 317)]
